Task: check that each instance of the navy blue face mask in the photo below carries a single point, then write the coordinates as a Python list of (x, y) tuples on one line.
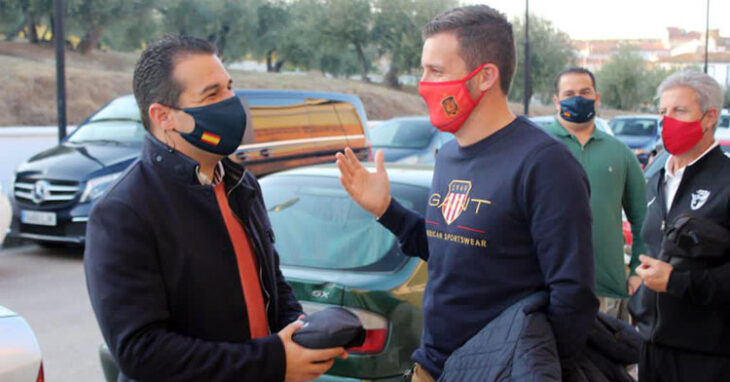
[(219, 127), (578, 109)]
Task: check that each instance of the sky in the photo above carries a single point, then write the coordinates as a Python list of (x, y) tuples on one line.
[(620, 19)]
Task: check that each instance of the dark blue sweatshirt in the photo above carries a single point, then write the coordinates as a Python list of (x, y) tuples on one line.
[(508, 216)]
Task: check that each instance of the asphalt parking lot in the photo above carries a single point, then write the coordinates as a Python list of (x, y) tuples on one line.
[(47, 287)]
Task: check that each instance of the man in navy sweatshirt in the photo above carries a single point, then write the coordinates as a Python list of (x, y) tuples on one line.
[(509, 211)]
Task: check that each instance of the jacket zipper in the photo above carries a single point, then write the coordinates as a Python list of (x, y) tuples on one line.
[(256, 247), (662, 205)]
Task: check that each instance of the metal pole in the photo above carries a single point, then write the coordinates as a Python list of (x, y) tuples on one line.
[(60, 40), (526, 85), (707, 34)]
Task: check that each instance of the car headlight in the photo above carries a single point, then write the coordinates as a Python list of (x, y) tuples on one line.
[(96, 186)]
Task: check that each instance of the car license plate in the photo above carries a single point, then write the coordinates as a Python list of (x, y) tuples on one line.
[(38, 218)]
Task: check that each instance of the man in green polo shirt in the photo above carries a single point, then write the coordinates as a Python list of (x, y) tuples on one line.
[(616, 182)]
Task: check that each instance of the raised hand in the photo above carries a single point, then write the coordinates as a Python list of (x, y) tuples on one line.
[(369, 190)]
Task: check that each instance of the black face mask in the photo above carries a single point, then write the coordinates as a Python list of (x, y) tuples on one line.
[(578, 109), (219, 127)]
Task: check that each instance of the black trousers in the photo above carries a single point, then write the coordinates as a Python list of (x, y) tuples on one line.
[(663, 364)]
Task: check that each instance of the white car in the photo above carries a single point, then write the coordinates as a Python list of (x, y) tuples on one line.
[(5, 215), (20, 354)]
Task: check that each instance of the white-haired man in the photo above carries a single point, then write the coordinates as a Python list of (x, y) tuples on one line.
[(682, 307)]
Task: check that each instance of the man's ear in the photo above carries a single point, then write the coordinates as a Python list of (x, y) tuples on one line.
[(598, 99), (557, 103), (489, 77), (161, 117), (711, 118)]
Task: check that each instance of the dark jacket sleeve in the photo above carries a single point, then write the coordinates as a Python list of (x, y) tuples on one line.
[(409, 227), (128, 296), (555, 198), (703, 287), (634, 203)]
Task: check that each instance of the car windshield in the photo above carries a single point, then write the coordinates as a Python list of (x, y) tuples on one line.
[(405, 133), (316, 224), (639, 127), (117, 122)]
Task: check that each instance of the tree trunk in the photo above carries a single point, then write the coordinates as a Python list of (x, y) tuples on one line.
[(391, 77), (32, 33), (220, 42), (279, 65), (90, 40), (269, 61), (363, 62), (16, 31)]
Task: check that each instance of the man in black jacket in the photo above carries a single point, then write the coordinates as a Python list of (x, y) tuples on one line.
[(180, 261), (683, 313)]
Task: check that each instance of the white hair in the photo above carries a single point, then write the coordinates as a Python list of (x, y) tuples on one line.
[(709, 92)]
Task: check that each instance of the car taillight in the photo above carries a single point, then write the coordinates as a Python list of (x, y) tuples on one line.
[(40, 377), (628, 236), (376, 327), (374, 342)]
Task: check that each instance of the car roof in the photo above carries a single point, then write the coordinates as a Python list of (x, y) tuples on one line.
[(287, 93), (300, 93), (408, 118), (542, 117), (5, 312), (415, 175), (642, 116)]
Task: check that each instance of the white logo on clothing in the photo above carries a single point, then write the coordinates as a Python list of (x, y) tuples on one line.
[(699, 198)]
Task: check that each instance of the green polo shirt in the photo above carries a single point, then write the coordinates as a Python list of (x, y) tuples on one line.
[(616, 181)]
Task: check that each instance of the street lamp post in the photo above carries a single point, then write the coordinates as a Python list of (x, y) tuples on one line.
[(526, 82), (60, 40), (707, 33)]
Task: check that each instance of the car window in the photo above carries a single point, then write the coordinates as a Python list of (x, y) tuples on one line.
[(117, 122), (443, 137), (411, 134), (317, 224), (120, 108), (724, 121), (662, 157), (656, 164), (543, 122), (278, 118), (634, 126)]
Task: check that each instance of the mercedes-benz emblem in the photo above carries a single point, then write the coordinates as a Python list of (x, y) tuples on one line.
[(41, 190)]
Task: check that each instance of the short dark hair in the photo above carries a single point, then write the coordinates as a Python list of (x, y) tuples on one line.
[(153, 81), (574, 70), (485, 36)]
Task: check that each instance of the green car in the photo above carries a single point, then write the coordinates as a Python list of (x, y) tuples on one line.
[(333, 253)]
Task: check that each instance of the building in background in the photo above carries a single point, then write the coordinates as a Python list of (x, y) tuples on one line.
[(677, 49)]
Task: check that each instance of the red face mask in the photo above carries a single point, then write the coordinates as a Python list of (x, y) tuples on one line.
[(449, 103), (680, 136)]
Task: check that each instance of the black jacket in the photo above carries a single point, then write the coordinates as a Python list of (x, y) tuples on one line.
[(694, 314), (163, 279), (519, 345)]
